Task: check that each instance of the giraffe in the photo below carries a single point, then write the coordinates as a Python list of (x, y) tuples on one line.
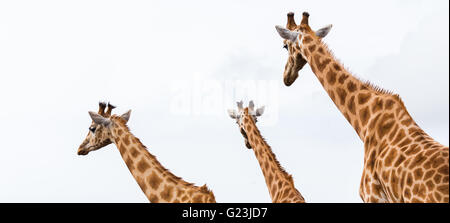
[(402, 163), (158, 184), (279, 182)]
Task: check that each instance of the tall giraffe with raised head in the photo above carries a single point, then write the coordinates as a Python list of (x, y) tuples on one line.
[(401, 162), (279, 182), (157, 183)]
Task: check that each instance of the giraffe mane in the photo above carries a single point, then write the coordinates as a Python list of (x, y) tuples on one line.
[(366, 83), (281, 168)]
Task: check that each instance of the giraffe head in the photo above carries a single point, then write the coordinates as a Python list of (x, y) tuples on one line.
[(293, 36), (245, 113), (100, 134)]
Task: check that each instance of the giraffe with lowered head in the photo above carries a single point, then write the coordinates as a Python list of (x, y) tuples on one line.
[(402, 163), (157, 183), (279, 182)]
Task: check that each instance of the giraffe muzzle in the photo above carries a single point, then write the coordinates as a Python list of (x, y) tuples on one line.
[(82, 151)]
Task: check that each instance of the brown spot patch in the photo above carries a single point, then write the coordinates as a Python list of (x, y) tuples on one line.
[(443, 189), (364, 115), (307, 40), (390, 158), (321, 50), (343, 77), (363, 98), (377, 105), (154, 180), (437, 162), (197, 199), (167, 193), (418, 174), (351, 105), (342, 95), (443, 170), (407, 122), (134, 152), (409, 179), (399, 160), (332, 96), (321, 65), (184, 198), (331, 77), (269, 179), (351, 86), (153, 198), (249, 128), (126, 140), (130, 163), (312, 48), (389, 104), (142, 165), (337, 67), (385, 124)]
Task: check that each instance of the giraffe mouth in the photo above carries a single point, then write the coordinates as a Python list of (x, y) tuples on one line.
[(83, 151)]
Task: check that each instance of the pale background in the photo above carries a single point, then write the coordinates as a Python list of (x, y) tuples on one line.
[(59, 58)]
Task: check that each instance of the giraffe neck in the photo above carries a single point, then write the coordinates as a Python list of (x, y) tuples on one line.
[(396, 149), (279, 182), (157, 183), (359, 102)]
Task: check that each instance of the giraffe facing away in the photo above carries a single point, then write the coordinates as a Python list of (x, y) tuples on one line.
[(158, 184), (401, 162), (279, 182)]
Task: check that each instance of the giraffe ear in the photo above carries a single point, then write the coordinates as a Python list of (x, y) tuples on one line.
[(240, 104), (126, 116), (260, 111), (232, 113), (99, 120), (286, 33), (324, 31)]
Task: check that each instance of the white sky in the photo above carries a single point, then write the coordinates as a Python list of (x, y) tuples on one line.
[(59, 58)]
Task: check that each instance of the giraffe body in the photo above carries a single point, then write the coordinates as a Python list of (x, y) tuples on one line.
[(279, 182), (401, 162), (157, 183)]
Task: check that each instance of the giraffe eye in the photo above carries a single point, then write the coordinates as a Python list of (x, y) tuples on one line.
[(285, 46), (92, 129)]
